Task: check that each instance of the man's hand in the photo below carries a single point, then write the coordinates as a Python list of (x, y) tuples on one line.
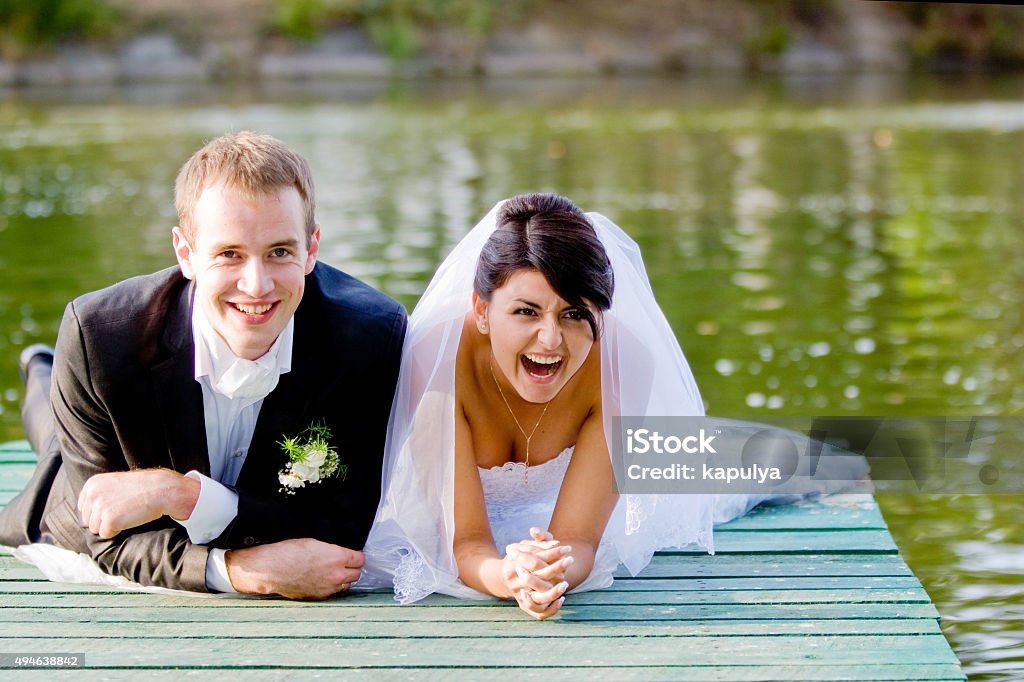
[(116, 501), (299, 568)]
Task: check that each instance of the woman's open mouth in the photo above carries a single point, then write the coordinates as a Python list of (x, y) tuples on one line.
[(541, 366)]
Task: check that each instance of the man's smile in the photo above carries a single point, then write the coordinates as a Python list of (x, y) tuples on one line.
[(253, 309)]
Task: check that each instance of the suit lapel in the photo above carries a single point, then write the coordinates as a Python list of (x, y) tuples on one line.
[(179, 394)]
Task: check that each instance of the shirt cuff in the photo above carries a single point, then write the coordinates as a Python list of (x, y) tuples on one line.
[(216, 507), (217, 579)]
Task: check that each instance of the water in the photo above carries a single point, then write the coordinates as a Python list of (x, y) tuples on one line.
[(826, 247)]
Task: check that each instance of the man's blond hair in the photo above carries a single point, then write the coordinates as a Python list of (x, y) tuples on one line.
[(254, 165)]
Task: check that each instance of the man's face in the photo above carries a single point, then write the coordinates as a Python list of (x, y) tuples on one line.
[(248, 260)]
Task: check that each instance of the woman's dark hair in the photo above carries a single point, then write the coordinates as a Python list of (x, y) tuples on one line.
[(549, 234)]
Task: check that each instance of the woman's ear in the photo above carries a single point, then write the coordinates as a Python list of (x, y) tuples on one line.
[(480, 313)]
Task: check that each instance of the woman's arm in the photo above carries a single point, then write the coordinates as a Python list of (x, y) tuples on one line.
[(586, 499), (480, 564), (477, 558)]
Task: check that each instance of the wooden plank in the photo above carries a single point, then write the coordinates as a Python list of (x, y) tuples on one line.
[(722, 566), (19, 457), (809, 515), (603, 597), (278, 625), (28, 574), (822, 565), (19, 608), (510, 652), (90, 596), (16, 470), (706, 566), (16, 446), (764, 583), (798, 542), (13, 481), (822, 671), (21, 573)]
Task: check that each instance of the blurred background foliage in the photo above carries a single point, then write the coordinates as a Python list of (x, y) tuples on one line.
[(938, 36), (396, 26), (28, 25), (982, 35)]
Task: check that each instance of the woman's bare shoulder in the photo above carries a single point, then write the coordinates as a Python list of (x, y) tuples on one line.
[(590, 378)]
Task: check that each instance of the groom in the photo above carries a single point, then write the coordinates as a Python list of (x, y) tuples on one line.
[(173, 392)]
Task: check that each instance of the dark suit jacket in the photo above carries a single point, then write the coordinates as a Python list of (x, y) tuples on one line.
[(124, 396)]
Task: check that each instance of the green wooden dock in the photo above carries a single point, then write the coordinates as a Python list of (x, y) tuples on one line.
[(808, 592)]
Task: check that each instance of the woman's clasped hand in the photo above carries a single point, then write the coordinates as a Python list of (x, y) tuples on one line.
[(534, 572)]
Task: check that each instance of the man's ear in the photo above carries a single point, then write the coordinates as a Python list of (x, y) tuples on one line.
[(480, 307), (313, 250), (182, 250)]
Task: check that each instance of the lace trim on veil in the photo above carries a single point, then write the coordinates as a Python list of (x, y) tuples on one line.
[(411, 578)]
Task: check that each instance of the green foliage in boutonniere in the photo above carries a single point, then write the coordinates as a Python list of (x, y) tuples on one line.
[(312, 459)]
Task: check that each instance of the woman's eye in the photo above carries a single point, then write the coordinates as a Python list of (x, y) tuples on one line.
[(575, 315), (525, 311)]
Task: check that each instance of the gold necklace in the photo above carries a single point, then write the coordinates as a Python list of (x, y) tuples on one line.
[(526, 475)]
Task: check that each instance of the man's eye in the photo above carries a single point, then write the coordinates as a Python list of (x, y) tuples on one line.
[(279, 252), (228, 254)]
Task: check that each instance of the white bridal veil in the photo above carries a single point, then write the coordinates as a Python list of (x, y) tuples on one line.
[(643, 372)]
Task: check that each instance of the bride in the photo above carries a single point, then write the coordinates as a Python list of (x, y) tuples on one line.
[(538, 329)]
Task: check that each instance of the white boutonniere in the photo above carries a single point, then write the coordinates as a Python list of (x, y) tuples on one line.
[(312, 459)]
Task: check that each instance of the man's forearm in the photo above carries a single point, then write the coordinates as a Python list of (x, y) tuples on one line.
[(162, 557)]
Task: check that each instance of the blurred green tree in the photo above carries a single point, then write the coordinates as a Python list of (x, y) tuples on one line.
[(26, 25)]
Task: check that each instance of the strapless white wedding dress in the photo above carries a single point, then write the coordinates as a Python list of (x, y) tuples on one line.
[(517, 502)]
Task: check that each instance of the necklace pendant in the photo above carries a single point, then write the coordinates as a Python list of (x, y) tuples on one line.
[(508, 406)]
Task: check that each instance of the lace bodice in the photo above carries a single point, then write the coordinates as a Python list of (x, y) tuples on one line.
[(516, 502), (509, 485)]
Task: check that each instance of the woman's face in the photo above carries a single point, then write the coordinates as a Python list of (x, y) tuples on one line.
[(539, 341)]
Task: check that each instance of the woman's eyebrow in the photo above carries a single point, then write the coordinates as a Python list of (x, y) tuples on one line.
[(531, 304)]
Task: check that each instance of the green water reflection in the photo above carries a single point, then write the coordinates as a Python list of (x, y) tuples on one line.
[(851, 248)]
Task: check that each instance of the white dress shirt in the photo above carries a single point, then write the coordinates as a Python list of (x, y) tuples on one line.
[(233, 392)]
